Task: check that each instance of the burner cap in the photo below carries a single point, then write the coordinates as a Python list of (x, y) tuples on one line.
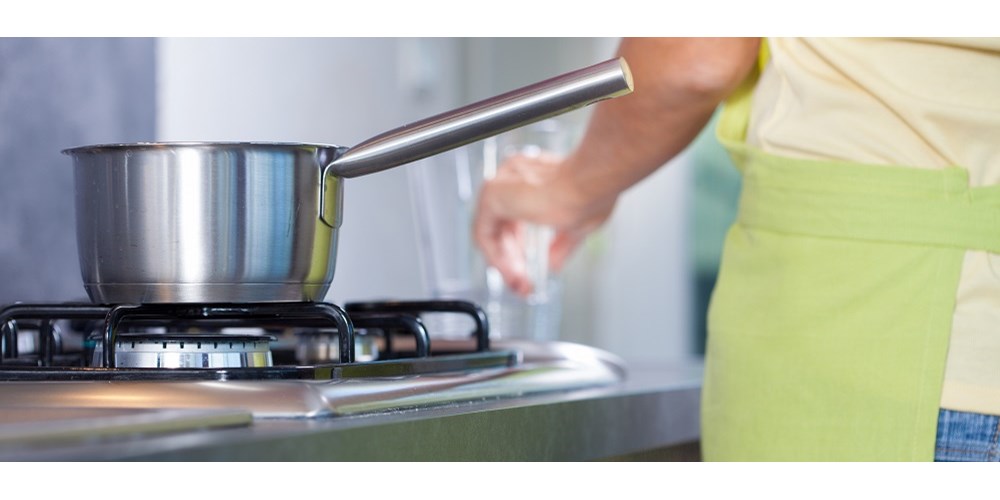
[(179, 350)]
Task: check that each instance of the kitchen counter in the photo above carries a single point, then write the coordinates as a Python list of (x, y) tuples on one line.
[(654, 409)]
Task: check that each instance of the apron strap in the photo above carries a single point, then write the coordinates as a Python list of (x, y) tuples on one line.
[(731, 129)]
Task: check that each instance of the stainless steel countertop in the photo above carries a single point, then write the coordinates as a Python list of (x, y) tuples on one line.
[(655, 407)]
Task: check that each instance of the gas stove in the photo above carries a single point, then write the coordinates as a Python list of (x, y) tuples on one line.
[(275, 360)]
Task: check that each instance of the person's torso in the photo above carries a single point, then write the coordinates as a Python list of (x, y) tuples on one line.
[(913, 102)]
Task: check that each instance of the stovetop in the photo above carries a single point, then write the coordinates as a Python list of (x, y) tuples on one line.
[(276, 360)]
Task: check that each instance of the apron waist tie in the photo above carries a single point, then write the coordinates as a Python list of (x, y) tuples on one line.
[(869, 202)]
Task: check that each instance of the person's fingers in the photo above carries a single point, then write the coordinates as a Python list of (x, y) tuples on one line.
[(511, 262), (562, 247), (498, 239)]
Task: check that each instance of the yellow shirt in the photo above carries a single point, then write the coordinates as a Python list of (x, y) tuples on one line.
[(915, 102)]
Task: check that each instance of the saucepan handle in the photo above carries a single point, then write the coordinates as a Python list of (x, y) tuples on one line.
[(486, 118)]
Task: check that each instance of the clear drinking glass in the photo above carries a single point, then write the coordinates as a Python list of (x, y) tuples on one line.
[(445, 189)]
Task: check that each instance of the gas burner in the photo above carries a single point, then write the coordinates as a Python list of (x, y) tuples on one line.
[(194, 350)]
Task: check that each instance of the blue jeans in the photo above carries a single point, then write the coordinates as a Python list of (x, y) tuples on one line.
[(967, 437)]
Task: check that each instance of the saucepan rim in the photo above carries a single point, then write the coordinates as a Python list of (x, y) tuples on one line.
[(94, 148)]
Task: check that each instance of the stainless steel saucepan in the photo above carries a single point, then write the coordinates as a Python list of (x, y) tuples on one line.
[(256, 222)]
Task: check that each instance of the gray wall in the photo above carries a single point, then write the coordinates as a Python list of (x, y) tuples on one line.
[(55, 94)]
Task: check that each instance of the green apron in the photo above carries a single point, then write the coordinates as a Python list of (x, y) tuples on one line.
[(829, 325)]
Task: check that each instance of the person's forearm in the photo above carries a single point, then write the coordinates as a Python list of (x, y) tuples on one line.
[(678, 85)]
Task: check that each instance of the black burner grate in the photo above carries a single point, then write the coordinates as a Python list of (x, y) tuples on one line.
[(111, 321)]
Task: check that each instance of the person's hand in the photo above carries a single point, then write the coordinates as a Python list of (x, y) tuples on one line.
[(538, 190)]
